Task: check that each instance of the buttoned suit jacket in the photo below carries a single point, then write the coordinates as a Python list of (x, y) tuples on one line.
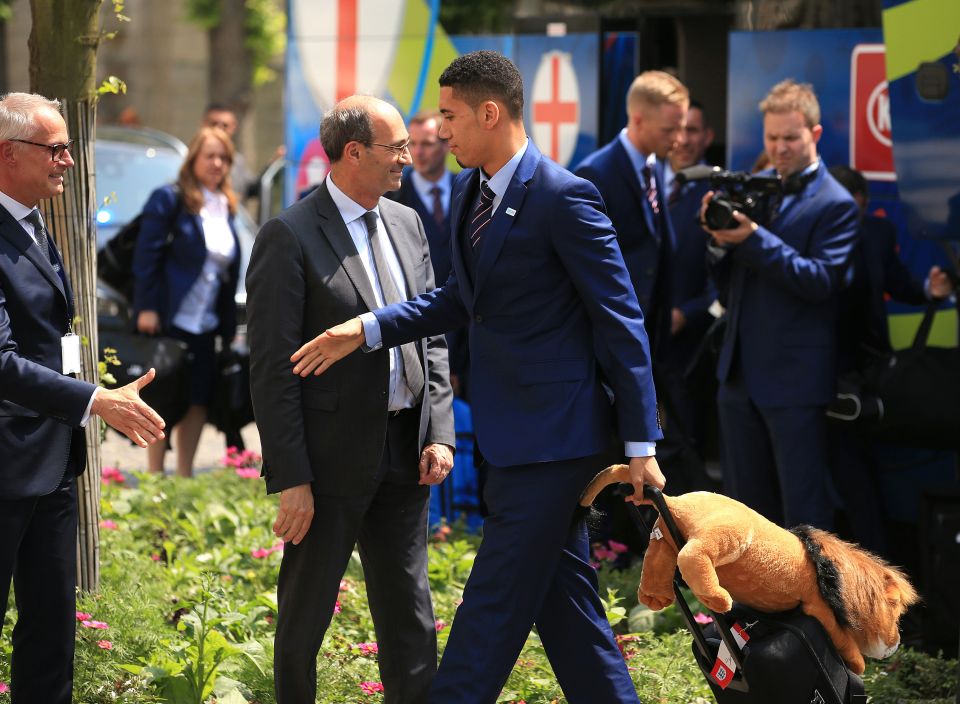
[(645, 237), (781, 287), (305, 276), (551, 315), (40, 408)]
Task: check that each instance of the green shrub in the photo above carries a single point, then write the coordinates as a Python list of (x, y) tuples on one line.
[(188, 601)]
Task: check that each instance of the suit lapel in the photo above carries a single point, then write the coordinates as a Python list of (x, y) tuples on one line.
[(401, 245), (625, 167), (802, 200), (507, 211), (14, 232), (459, 199), (335, 231)]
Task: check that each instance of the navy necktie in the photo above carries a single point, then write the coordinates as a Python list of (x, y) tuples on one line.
[(437, 206), (39, 232), (482, 214), (651, 188)]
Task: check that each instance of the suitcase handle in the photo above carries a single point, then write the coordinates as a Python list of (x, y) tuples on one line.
[(654, 495)]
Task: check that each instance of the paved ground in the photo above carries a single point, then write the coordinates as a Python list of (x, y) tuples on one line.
[(118, 452)]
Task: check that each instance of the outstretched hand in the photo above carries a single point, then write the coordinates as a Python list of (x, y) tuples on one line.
[(332, 345), (124, 410)]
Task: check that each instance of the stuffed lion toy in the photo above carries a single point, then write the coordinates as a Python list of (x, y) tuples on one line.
[(733, 553)]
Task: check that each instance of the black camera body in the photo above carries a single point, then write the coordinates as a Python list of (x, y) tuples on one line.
[(733, 190)]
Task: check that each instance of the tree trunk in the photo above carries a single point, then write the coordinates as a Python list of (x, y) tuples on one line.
[(231, 62), (63, 64)]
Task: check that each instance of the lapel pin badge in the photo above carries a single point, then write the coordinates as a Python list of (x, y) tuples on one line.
[(511, 211)]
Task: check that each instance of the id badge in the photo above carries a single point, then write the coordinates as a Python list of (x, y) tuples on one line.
[(70, 347)]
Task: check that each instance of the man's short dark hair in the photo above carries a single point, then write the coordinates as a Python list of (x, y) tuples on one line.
[(485, 75), (342, 125), (851, 179), (219, 107)]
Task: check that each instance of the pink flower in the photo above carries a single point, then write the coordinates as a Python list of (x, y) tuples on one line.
[(155, 557), (703, 619), (602, 552), (371, 687), (4, 688), (439, 625), (111, 474), (261, 553), (248, 472), (94, 624), (336, 607), (618, 548), (105, 644), (344, 585), (368, 648), (81, 616), (109, 525)]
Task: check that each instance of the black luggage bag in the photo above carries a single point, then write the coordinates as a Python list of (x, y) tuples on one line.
[(169, 393), (786, 657)]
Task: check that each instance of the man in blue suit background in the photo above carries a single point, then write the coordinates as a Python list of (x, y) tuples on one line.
[(780, 283), (629, 174), (539, 279), (43, 406), (426, 187)]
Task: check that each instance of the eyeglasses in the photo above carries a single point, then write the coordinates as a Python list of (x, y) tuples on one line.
[(397, 150), (56, 150)]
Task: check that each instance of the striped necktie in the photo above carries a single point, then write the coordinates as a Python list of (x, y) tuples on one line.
[(482, 213), (651, 189)]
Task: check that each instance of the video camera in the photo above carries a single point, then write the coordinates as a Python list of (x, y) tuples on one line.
[(734, 190)]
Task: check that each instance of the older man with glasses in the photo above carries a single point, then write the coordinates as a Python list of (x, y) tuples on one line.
[(43, 406), (352, 454)]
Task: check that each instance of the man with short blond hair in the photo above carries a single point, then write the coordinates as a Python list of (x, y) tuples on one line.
[(629, 173), (780, 278), (789, 96)]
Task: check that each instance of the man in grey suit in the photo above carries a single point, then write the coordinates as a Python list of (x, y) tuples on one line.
[(352, 453)]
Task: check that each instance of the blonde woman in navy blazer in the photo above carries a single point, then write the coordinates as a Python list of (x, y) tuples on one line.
[(186, 268)]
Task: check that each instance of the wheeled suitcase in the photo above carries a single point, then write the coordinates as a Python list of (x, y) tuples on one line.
[(749, 657)]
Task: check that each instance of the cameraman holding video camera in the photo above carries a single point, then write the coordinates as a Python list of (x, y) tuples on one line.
[(779, 280)]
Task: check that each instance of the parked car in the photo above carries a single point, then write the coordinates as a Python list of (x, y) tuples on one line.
[(130, 164)]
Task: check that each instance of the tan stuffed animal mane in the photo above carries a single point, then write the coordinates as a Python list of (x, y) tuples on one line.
[(735, 554)]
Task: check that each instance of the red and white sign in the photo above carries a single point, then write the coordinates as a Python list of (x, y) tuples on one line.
[(871, 142), (556, 107)]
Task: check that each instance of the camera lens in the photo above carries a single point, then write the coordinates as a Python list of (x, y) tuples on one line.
[(719, 214)]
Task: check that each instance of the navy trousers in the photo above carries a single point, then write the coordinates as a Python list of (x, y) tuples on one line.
[(775, 460), (38, 550), (533, 568)]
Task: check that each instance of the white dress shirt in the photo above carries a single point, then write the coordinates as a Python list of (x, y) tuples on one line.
[(198, 310), (424, 189)]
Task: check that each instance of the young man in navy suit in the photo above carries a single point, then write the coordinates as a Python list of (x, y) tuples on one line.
[(780, 282), (629, 173), (43, 406), (539, 279)]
